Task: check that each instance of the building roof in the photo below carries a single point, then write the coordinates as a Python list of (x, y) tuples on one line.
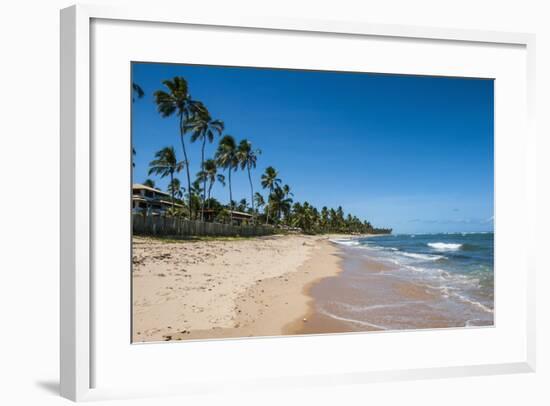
[(169, 203), (165, 201), (139, 186), (238, 213)]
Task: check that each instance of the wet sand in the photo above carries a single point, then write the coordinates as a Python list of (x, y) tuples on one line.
[(368, 295)]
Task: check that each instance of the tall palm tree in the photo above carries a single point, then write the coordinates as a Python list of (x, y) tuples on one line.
[(271, 182), (247, 159), (204, 128), (178, 101), (227, 158), (165, 164), (210, 174)]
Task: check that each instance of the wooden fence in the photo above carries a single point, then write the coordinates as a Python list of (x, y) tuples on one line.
[(178, 227)]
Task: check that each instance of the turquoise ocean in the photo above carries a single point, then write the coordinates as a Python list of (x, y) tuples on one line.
[(456, 269)]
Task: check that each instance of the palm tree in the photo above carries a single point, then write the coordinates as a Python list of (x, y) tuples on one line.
[(243, 204), (227, 158), (248, 158), (175, 188), (165, 164), (324, 218), (210, 174), (286, 191), (280, 201), (258, 200), (271, 182), (178, 101), (137, 91), (149, 182), (204, 128), (340, 217), (286, 201), (305, 216), (195, 196)]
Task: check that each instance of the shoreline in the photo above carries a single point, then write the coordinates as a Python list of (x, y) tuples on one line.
[(371, 294), (318, 323), (278, 285)]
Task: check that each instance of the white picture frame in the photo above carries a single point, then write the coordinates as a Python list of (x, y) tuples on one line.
[(76, 279)]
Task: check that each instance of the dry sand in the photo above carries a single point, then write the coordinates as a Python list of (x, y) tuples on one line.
[(226, 288)]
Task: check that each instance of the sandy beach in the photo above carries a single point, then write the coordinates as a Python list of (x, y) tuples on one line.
[(226, 287), (287, 285)]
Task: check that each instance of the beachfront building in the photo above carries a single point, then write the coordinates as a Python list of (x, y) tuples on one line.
[(151, 201), (239, 217)]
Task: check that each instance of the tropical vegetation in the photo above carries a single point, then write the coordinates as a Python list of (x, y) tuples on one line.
[(166, 164), (274, 207)]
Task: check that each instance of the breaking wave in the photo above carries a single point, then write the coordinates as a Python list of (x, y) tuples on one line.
[(442, 246)]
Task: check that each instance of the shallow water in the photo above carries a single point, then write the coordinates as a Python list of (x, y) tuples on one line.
[(409, 282)]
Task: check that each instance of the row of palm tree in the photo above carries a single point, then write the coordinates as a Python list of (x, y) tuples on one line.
[(228, 156), (193, 118), (311, 220)]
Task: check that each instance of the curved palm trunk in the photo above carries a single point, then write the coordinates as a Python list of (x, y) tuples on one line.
[(209, 192), (267, 210), (204, 179), (251, 195), (230, 200), (172, 187), (186, 164)]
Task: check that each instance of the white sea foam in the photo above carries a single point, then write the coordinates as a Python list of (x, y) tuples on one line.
[(424, 257), (350, 243), (434, 272), (360, 322), (416, 269), (441, 246), (474, 303), (360, 309)]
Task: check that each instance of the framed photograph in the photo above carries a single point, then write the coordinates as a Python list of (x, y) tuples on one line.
[(269, 202)]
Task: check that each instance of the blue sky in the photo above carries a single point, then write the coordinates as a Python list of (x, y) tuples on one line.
[(408, 152)]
